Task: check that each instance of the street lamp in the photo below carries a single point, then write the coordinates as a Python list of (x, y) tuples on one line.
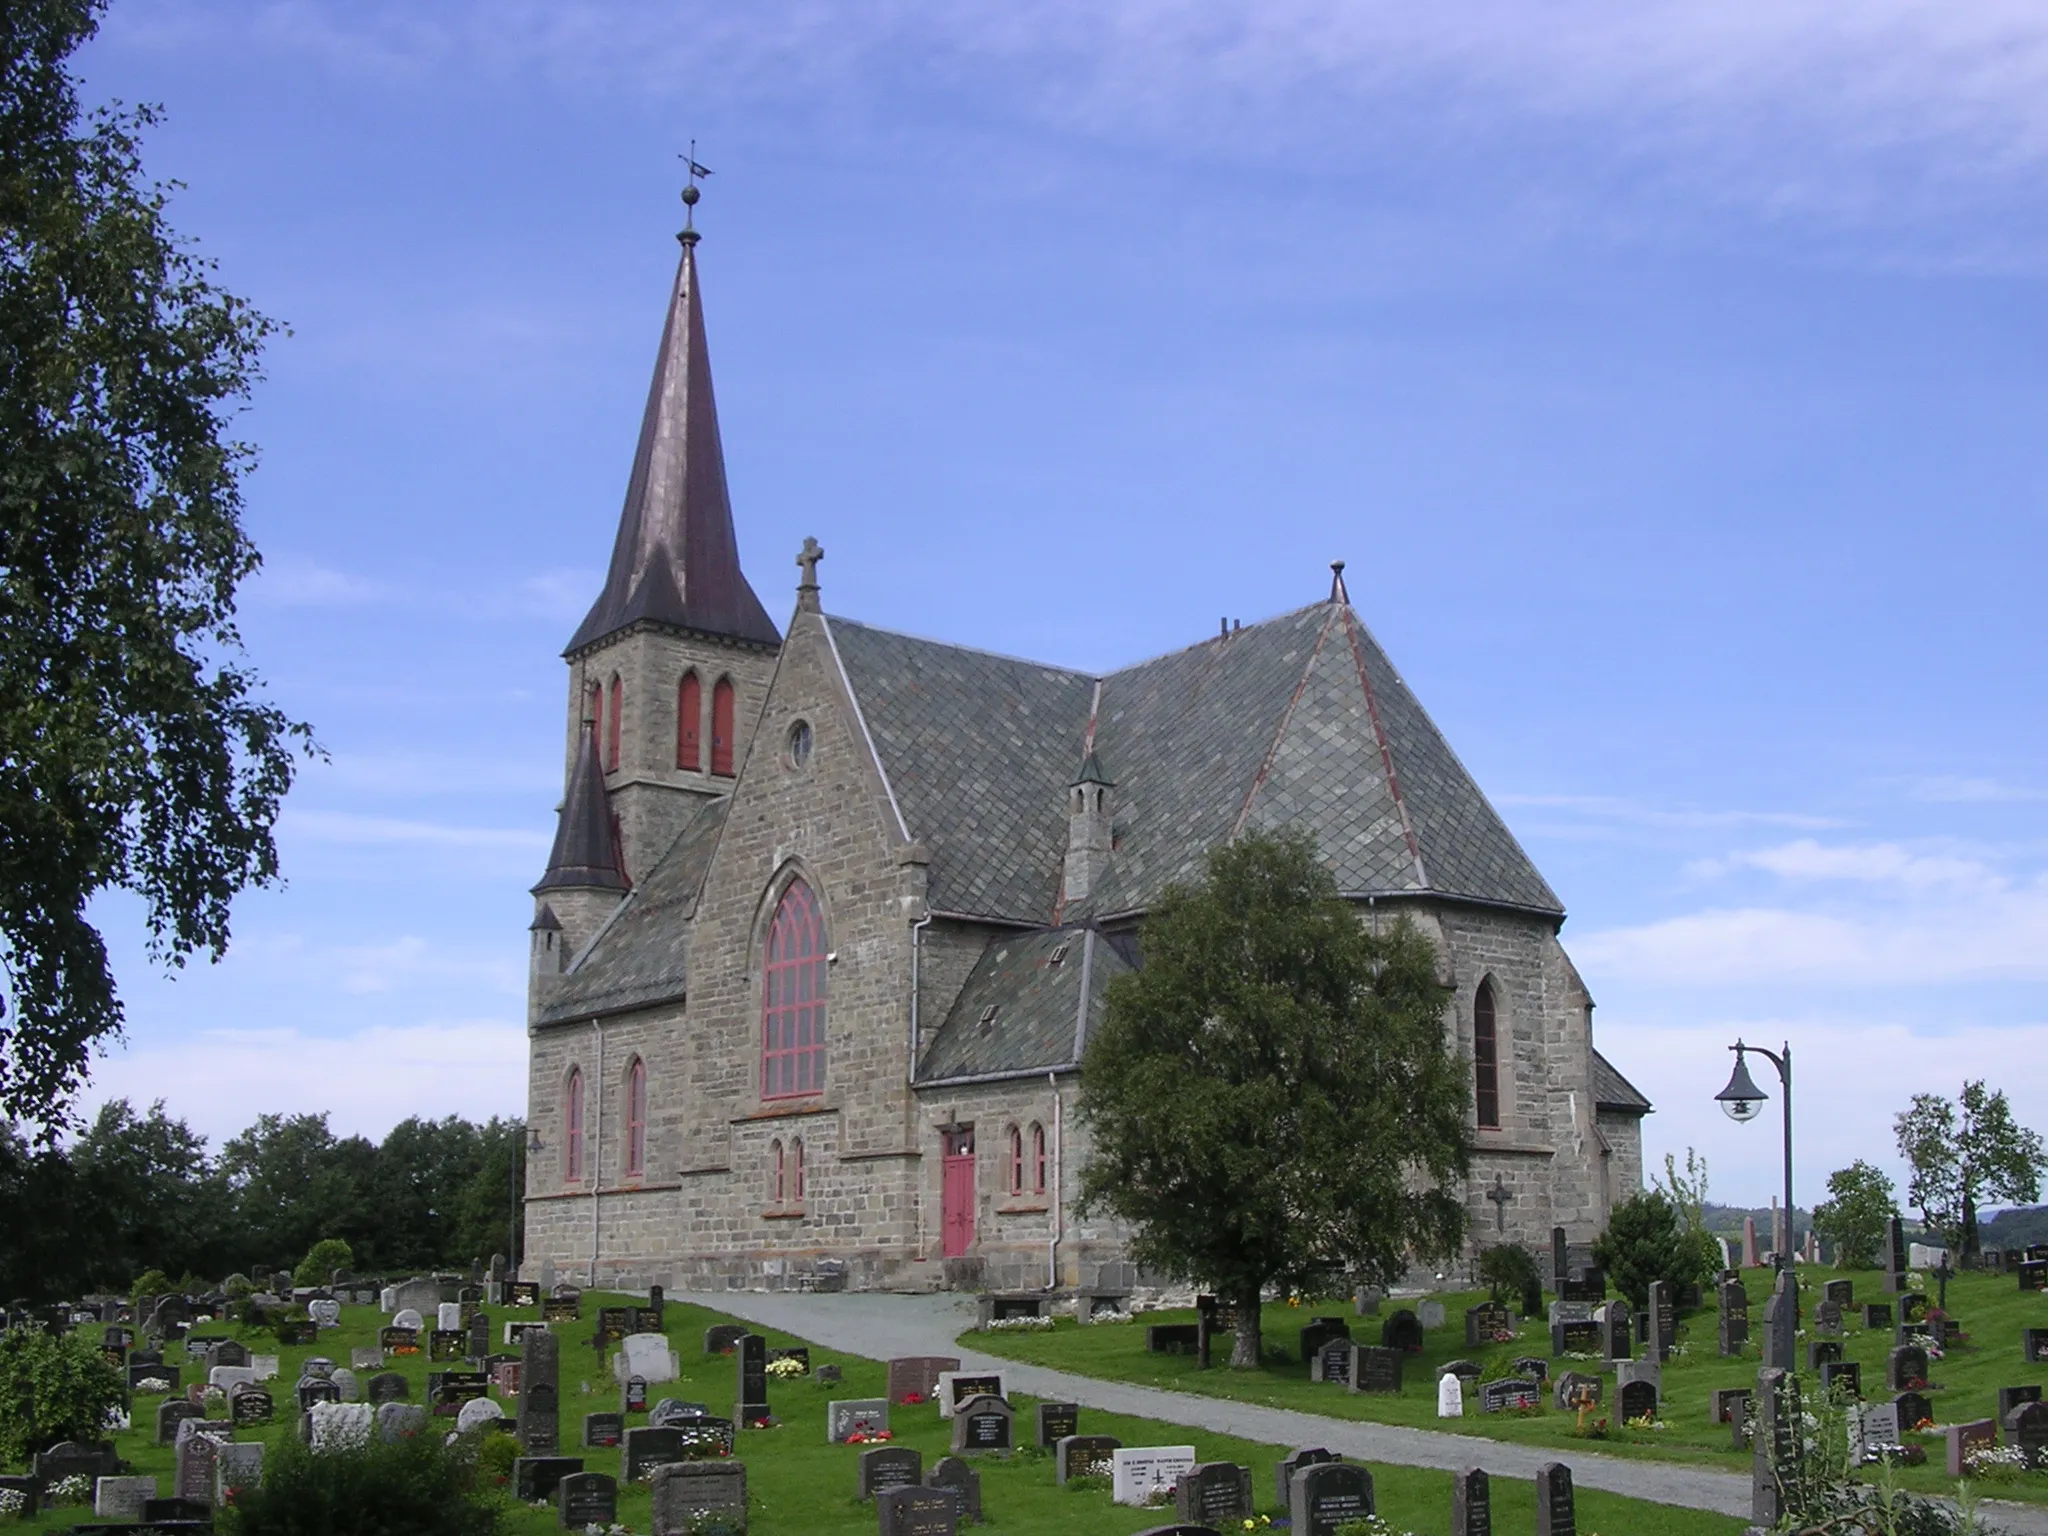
[(1743, 1101)]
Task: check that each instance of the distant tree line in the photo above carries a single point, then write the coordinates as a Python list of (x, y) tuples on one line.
[(140, 1191)]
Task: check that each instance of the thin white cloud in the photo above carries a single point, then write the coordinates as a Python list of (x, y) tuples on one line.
[(359, 830), (292, 582), (366, 1081), (1963, 789), (422, 775), (1869, 864), (1613, 808)]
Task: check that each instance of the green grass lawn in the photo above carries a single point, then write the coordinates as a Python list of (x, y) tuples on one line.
[(798, 1484), (1990, 1307)]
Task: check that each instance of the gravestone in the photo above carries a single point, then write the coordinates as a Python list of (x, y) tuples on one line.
[(1560, 1259), (324, 1313), (634, 1396), (370, 1358), (890, 1466), (2033, 1274), (121, 1498), (1962, 1441), (235, 1467), (539, 1423), (314, 1390), (2034, 1344), (916, 1377), (587, 1498), (603, 1430), (673, 1410), (1319, 1332), (1533, 1365), (1450, 1396), (955, 1387), (1174, 1339), (1841, 1292), (1556, 1512), (196, 1455), (2026, 1429), (1615, 1340), (1056, 1421), (170, 1413), (1913, 1307), (1214, 1494), (1731, 1404), (152, 1371), (399, 1341), (1873, 1432), (1877, 1314), (1895, 1255), (1328, 1495), (1781, 1327), (346, 1384), (1841, 1376), (1627, 1371), (2010, 1398), (1509, 1393), (647, 1447), (1487, 1323), (525, 1293), (691, 1496), (648, 1356), (827, 1376), (983, 1424), (1906, 1369), (1083, 1456), (951, 1472), (1636, 1400), (1375, 1368), (388, 1387), (750, 1386), (1471, 1504), (919, 1511), (251, 1406), (848, 1417), (1137, 1472), (1285, 1470), (476, 1414), (1779, 1446), (1661, 1321), (720, 1337), (1915, 1409), (1332, 1363), (1574, 1390), (1820, 1352), (1573, 1336), (1430, 1313), (397, 1420), (535, 1478), (1403, 1331), (1827, 1317)]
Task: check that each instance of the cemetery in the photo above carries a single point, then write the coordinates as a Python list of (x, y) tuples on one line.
[(844, 1444), (1863, 1339)]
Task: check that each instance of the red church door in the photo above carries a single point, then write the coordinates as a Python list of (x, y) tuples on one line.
[(957, 1210)]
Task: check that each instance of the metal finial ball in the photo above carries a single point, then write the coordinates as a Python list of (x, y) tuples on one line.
[(690, 196)]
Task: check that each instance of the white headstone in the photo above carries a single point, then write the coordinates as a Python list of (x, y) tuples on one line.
[(228, 1377), (397, 1420), (1450, 1397), (1925, 1256), (121, 1498), (265, 1367), (326, 1313), (408, 1318), (387, 1300), (1138, 1472), (512, 1338), (371, 1359), (647, 1356), (1873, 1427), (1430, 1314), (351, 1389), (450, 1315), (336, 1425), (238, 1464), (476, 1413), (945, 1387)]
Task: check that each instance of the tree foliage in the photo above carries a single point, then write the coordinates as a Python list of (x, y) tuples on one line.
[(1510, 1272), (1963, 1153), (1687, 1193), (415, 1485), (135, 750), (1270, 1100), (1855, 1214), (322, 1260), (52, 1388), (1647, 1239)]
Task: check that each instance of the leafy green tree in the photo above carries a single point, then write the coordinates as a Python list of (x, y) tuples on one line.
[(154, 1195), (415, 1485), (489, 1206), (1962, 1154), (1647, 1240), (1855, 1214), (45, 1233), (1510, 1272), (135, 751), (52, 1388), (294, 1182), (322, 1260), (1687, 1192), (1270, 1100)]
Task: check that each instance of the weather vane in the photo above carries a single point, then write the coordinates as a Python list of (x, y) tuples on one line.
[(690, 192)]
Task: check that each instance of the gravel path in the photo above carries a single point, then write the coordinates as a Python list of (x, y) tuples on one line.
[(879, 1326)]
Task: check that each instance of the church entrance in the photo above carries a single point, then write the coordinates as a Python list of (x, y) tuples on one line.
[(957, 1208)]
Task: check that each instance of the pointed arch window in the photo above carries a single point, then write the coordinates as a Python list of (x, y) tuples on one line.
[(1486, 1057), (777, 1173), (1015, 1180), (690, 723), (796, 1171), (793, 997), (611, 726), (572, 1120), (721, 728), (1037, 1158), (595, 710), (636, 1119)]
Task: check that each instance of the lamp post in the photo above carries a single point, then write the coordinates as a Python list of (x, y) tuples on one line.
[(1744, 1101)]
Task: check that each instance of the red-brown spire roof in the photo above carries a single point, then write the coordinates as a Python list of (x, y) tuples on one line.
[(675, 560), (585, 855)]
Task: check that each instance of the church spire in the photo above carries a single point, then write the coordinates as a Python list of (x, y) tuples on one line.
[(675, 560), (586, 851)]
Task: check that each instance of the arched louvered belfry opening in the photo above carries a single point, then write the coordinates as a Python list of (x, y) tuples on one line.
[(1485, 1058), (721, 728), (690, 723), (611, 725)]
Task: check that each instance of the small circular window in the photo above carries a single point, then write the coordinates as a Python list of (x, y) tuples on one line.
[(799, 744)]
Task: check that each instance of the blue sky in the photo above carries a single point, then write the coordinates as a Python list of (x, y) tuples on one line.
[(1671, 377)]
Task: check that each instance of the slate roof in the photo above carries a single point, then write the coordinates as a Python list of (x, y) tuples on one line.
[(1038, 1022), (1300, 720), (642, 955), (675, 559), (584, 856), (1613, 1091)]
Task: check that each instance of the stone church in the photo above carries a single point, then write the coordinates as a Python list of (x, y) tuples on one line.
[(831, 910)]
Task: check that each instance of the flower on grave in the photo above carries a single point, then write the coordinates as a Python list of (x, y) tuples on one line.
[(911, 1399), (149, 1386), (785, 1368), (75, 1489), (116, 1420), (12, 1502), (1924, 1426)]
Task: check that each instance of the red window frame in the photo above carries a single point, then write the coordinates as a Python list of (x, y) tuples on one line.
[(775, 1183), (721, 728), (796, 1164), (1037, 1158), (636, 1120), (793, 998), (1016, 1161), (1486, 1058), (611, 740), (690, 722), (572, 1140)]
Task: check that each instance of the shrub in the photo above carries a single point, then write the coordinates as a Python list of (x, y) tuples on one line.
[(153, 1282), (413, 1486), (237, 1286), (52, 1389), (1645, 1241), (1509, 1271), (322, 1260), (1854, 1215)]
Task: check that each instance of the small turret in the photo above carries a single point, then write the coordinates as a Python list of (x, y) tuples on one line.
[(1088, 830), (546, 958), (585, 878)]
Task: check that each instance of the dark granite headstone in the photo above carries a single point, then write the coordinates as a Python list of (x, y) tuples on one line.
[(1327, 1495), (696, 1495), (1471, 1504), (1173, 1338), (1556, 1511), (720, 1337), (1779, 1446), (1487, 1323), (1636, 1400), (387, 1387), (646, 1448), (1285, 1470), (536, 1477), (1877, 1314), (1056, 1421), (983, 1424), (603, 1430), (1820, 1352), (2026, 1428), (1573, 1390), (890, 1466), (1216, 1494), (1915, 1409), (1332, 1363), (951, 1472), (1841, 1376), (1841, 1292), (587, 1498), (1731, 1404), (539, 1421), (1403, 1331), (1375, 1368), (251, 1406), (2010, 1398), (1906, 1369), (919, 1511), (1083, 1456)]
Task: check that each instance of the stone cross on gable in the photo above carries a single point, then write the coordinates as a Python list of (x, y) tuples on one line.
[(808, 559), (1500, 1197)]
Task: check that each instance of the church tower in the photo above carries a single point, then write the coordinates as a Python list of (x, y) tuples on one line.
[(668, 670)]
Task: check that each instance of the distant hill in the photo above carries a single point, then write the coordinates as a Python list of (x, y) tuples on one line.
[(1726, 1220), (2015, 1227)]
